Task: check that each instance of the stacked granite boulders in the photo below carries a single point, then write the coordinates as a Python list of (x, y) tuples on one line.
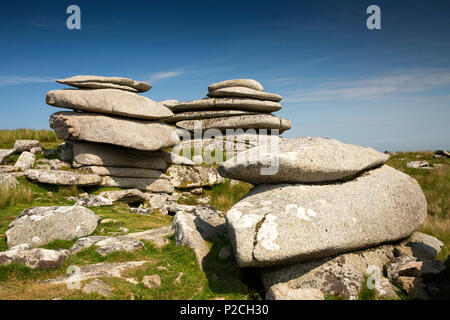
[(237, 108), (113, 134), (320, 199)]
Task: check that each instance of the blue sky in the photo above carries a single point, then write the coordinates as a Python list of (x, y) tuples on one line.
[(388, 88)]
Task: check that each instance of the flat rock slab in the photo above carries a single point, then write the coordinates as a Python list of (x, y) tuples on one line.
[(108, 101), (5, 153), (37, 258), (97, 154), (200, 115), (62, 178), (124, 172), (183, 177), (126, 196), (145, 184), (302, 160), (102, 269), (92, 127), (227, 104), (107, 245), (41, 225), (26, 145), (86, 81), (277, 224), (244, 93), (258, 121), (341, 275), (25, 161), (248, 83), (151, 234)]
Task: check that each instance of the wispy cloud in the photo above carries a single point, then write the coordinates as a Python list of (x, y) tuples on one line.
[(15, 80), (389, 85), (165, 75)]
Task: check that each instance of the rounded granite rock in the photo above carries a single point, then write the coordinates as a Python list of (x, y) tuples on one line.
[(284, 223)]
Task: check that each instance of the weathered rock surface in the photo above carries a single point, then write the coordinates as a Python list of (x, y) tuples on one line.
[(301, 160), (37, 258), (135, 134), (341, 276), (227, 104), (245, 93), (5, 153), (259, 121), (186, 233), (126, 196), (96, 154), (93, 201), (103, 269), (124, 172), (146, 184), (247, 83), (63, 178), (25, 145), (418, 164), (109, 101), (281, 291), (200, 115), (41, 225), (275, 224), (8, 181), (183, 177), (25, 161), (86, 81), (97, 286)]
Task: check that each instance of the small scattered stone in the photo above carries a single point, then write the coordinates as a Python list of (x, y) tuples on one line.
[(152, 281)]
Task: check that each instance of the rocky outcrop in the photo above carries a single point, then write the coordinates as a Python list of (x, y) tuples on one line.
[(109, 101), (301, 160), (97, 82), (41, 225), (275, 224), (258, 121), (94, 127)]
